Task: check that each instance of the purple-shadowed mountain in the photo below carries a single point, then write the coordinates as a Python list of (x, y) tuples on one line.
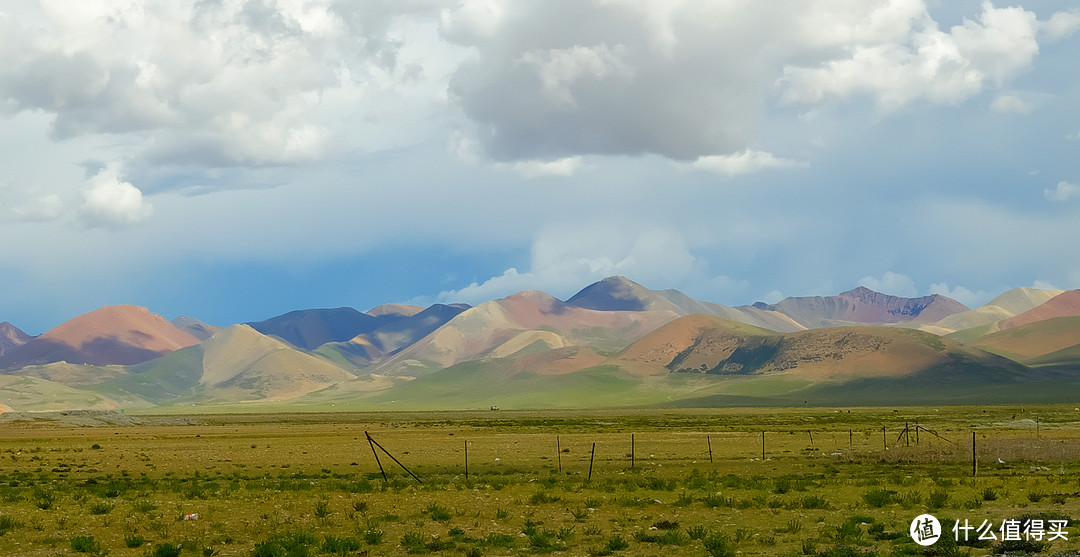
[(121, 334), (864, 306), (11, 337), (311, 328), (622, 294), (385, 341)]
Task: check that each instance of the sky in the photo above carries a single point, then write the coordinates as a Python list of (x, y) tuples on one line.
[(234, 160)]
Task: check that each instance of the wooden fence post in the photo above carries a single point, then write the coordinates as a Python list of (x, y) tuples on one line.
[(591, 457)]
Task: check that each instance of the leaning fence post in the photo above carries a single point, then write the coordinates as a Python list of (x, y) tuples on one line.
[(709, 441), (377, 461), (591, 457), (558, 452), (392, 457)]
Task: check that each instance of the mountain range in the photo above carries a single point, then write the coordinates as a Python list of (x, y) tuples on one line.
[(614, 343)]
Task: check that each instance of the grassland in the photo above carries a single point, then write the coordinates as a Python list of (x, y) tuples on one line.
[(308, 484)]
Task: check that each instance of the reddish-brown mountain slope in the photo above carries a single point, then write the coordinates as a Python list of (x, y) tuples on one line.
[(1065, 304), (110, 335), (708, 345)]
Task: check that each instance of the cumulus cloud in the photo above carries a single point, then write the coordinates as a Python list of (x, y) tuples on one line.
[(1063, 191), (961, 294), (891, 283), (745, 162), (689, 80), (211, 83), (565, 258), (914, 59), (110, 202)]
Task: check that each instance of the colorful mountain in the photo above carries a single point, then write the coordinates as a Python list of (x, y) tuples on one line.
[(863, 306), (1066, 304), (1010, 304), (704, 345), (491, 329), (121, 335), (403, 330), (11, 337), (238, 363), (622, 294)]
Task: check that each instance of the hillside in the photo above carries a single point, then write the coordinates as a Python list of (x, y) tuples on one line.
[(402, 331), (1066, 304), (236, 364), (1010, 304), (1032, 340), (700, 345), (121, 335), (480, 331)]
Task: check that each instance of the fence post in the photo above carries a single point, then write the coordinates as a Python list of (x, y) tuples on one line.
[(762, 445), (591, 457), (558, 452), (466, 459), (974, 461), (709, 441), (377, 461)]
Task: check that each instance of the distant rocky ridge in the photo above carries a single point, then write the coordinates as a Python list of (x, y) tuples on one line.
[(862, 305)]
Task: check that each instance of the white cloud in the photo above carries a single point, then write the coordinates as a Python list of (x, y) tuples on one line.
[(1011, 103), (22, 204), (745, 162), (962, 295), (110, 202), (1044, 285), (566, 258), (566, 166), (43, 208), (773, 297), (891, 283), (224, 83), (917, 60), (1064, 191), (1062, 24)]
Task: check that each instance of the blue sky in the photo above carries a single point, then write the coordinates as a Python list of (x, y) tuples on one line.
[(234, 160)]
